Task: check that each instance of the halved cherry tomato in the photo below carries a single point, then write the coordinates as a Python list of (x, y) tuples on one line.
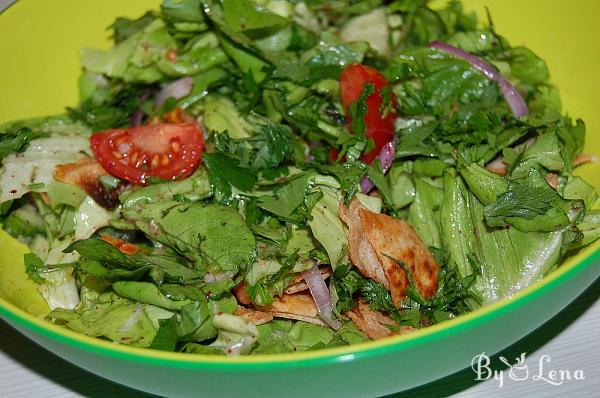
[(377, 127), (167, 151)]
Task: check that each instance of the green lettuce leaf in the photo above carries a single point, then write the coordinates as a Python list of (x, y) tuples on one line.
[(327, 228), (33, 169), (201, 233), (510, 259), (96, 252), (115, 318), (191, 189), (424, 211)]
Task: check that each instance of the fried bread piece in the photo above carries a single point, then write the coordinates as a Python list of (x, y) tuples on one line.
[(299, 285), (376, 241), (254, 316), (299, 306), (85, 173), (361, 253), (375, 324)]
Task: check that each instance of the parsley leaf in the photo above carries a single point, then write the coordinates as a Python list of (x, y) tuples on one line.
[(111, 113), (224, 172), (530, 204), (269, 147), (16, 139), (359, 108)]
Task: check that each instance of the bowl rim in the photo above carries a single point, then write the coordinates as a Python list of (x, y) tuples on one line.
[(366, 350), (362, 351)]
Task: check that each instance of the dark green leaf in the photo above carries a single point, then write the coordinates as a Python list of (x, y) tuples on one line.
[(125, 27), (200, 233), (33, 266), (148, 293), (166, 336), (225, 172), (113, 112), (246, 15), (182, 10), (16, 138)]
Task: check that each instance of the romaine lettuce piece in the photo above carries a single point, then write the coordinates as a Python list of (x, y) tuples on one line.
[(371, 27), (424, 212), (236, 335), (90, 217), (510, 259), (112, 317), (327, 227)]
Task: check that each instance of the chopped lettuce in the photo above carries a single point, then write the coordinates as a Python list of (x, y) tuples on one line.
[(89, 217), (327, 227), (282, 336), (201, 233), (112, 317), (191, 189), (510, 259), (32, 171)]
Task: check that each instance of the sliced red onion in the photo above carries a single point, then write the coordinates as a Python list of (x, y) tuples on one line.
[(515, 101), (386, 158), (366, 185), (387, 155), (176, 89), (320, 293), (136, 117)]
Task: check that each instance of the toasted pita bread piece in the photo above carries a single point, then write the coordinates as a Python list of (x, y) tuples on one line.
[(299, 306), (361, 252), (299, 285), (85, 173), (497, 166), (374, 323), (373, 237), (254, 316), (391, 237)]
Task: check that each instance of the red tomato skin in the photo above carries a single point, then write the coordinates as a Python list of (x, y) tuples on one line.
[(167, 151), (380, 129)]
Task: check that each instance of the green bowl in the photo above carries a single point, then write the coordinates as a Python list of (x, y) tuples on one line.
[(38, 72)]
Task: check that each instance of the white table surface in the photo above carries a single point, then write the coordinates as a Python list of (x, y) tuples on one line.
[(571, 339)]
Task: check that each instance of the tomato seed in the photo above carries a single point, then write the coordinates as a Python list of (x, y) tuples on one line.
[(164, 160)]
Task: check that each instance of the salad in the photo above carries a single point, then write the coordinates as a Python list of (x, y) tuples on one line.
[(272, 176)]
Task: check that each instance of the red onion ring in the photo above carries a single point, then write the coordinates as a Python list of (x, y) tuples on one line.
[(515, 100), (320, 294), (366, 185), (386, 158), (176, 89), (136, 117)]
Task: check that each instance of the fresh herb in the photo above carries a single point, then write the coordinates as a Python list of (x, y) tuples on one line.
[(15, 139), (113, 112)]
